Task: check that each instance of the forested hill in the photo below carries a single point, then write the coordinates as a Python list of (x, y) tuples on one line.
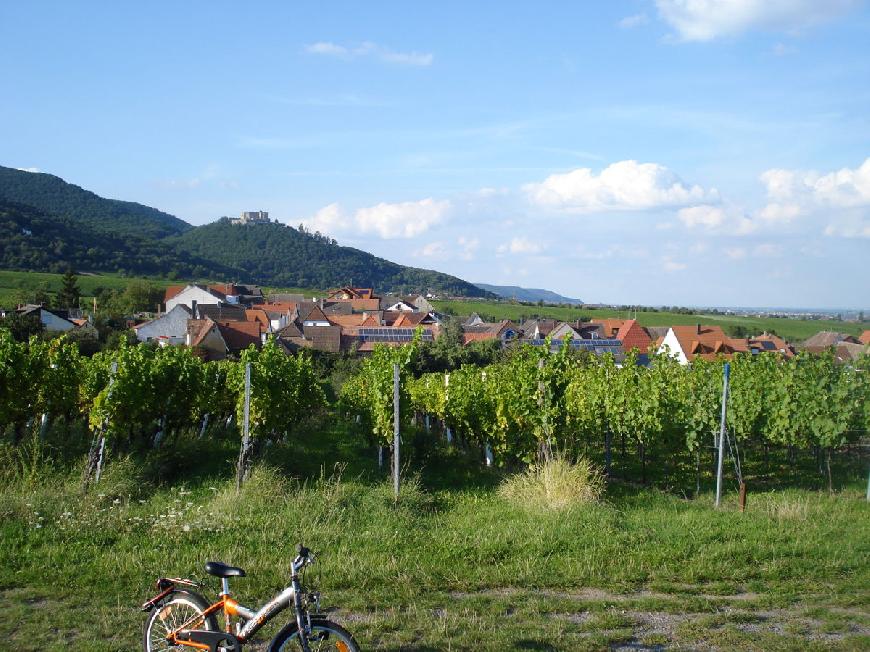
[(289, 257), (32, 240), (47, 224), (54, 196)]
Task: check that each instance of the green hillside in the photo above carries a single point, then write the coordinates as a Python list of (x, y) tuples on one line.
[(47, 225), (34, 240), (54, 196), (281, 255)]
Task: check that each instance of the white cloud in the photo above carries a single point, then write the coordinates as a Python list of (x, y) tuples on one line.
[(736, 253), (841, 197), (705, 20), (671, 265), (34, 170), (849, 230), (721, 219), (329, 219), (432, 250), (633, 21), (468, 247), (401, 220), (369, 49), (703, 215), (520, 245), (626, 185)]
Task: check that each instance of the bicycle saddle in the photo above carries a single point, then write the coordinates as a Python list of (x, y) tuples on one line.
[(218, 569)]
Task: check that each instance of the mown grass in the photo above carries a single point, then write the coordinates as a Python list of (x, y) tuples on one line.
[(451, 566), (794, 330)]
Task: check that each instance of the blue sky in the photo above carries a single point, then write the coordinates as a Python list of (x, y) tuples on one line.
[(713, 152)]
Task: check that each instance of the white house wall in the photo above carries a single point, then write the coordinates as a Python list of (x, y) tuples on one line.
[(671, 345), (189, 294), (172, 326)]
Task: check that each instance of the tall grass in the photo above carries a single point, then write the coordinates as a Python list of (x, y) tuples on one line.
[(555, 485)]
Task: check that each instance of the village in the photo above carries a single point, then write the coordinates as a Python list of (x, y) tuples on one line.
[(221, 320)]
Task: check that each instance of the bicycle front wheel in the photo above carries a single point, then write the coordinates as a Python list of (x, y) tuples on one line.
[(326, 636)]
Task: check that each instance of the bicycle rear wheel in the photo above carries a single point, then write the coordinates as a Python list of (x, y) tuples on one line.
[(177, 608), (326, 636)]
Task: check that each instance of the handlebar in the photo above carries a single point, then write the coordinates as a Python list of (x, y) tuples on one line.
[(304, 557)]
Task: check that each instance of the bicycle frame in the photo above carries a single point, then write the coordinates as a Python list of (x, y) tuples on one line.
[(254, 619)]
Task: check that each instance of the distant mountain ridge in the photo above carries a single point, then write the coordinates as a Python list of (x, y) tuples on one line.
[(47, 224), (527, 294)]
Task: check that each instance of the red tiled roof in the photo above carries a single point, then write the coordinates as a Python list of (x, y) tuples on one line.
[(707, 342), (346, 321), (171, 291), (864, 337), (255, 314), (468, 338), (278, 306), (198, 329), (239, 335), (609, 326), (633, 336)]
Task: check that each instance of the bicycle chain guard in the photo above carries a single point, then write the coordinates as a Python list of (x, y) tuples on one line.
[(226, 642)]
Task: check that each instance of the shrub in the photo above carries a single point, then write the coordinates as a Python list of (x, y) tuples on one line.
[(555, 485)]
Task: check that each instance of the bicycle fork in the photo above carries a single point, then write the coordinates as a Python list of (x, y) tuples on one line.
[(303, 622)]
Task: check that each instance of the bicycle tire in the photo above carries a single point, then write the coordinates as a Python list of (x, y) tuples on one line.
[(186, 604), (335, 636)]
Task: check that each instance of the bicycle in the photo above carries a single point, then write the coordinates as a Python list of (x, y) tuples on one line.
[(181, 619)]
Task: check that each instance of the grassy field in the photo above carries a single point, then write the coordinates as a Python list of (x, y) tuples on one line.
[(452, 566), (794, 330), (12, 283)]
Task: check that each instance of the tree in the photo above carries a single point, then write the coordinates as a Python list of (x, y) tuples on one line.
[(69, 295)]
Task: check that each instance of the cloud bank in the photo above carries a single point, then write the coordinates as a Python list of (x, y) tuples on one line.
[(626, 185), (706, 20)]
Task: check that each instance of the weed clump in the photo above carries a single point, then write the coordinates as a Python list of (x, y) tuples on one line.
[(555, 485)]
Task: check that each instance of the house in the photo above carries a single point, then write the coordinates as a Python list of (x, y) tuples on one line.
[(401, 306), (864, 338), (85, 327), (609, 327), (51, 320), (421, 303), (239, 335), (537, 329), (473, 320), (169, 328), (505, 331), (634, 336), (349, 293), (205, 337), (219, 312), (686, 343), (187, 295), (284, 298), (312, 315), (766, 343), (826, 339), (323, 338)]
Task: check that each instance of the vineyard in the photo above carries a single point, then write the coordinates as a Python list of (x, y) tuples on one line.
[(537, 402), (532, 404), (171, 481)]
